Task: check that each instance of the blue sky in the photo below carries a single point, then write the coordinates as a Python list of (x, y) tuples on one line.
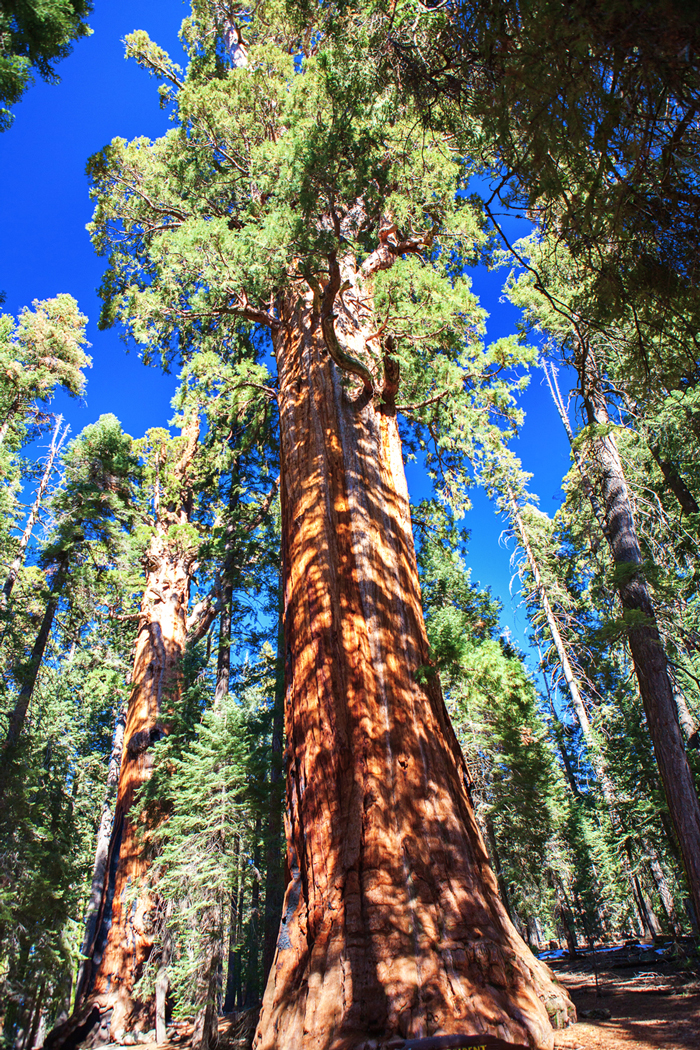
[(45, 249)]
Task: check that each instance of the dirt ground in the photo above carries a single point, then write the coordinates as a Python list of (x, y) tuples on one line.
[(649, 997), (645, 1000)]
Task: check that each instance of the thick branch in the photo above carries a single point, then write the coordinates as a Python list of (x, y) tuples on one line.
[(343, 360)]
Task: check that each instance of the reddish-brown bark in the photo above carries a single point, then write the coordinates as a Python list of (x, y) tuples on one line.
[(126, 937), (392, 923), (125, 929)]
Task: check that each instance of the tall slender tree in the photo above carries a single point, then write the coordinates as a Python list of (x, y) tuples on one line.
[(91, 506), (607, 488)]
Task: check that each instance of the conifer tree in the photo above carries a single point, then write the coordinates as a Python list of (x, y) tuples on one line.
[(43, 350), (341, 232), (90, 507), (51, 772), (124, 931), (606, 480)]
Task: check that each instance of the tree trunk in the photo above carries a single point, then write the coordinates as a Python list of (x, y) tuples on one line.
[(29, 674), (126, 929), (648, 654), (392, 923), (674, 481), (564, 662), (223, 656), (663, 889), (206, 1023), (233, 971), (274, 874), (503, 889), (162, 983), (99, 872), (558, 727), (685, 719), (567, 915), (252, 974)]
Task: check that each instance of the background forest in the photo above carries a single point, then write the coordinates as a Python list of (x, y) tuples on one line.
[(579, 717)]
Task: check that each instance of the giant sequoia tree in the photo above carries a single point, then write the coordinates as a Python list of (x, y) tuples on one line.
[(338, 230)]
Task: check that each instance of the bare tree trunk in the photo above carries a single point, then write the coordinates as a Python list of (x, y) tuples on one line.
[(162, 984), (252, 976), (648, 654), (559, 734), (685, 719), (125, 937), (564, 662), (223, 658), (206, 1021), (126, 928), (503, 888), (392, 923), (99, 872), (567, 915), (18, 562)]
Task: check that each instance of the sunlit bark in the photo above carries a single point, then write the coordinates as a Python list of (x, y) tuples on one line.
[(392, 923), (126, 927)]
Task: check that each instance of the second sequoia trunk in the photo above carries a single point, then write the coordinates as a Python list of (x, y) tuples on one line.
[(125, 932), (125, 929), (392, 924)]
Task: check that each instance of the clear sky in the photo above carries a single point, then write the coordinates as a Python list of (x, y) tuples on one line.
[(45, 249)]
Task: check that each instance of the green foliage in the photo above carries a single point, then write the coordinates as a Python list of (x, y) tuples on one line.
[(516, 787), (33, 35), (266, 182), (43, 350), (52, 794), (205, 801), (582, 116)]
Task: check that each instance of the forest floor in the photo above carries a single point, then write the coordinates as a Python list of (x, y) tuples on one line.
[(645, 998)]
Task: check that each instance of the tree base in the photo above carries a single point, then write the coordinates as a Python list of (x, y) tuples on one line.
[(103, 1019)]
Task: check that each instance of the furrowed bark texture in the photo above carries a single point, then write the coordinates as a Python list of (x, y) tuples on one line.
[(648, 655), (392, 924), (126, 930)]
